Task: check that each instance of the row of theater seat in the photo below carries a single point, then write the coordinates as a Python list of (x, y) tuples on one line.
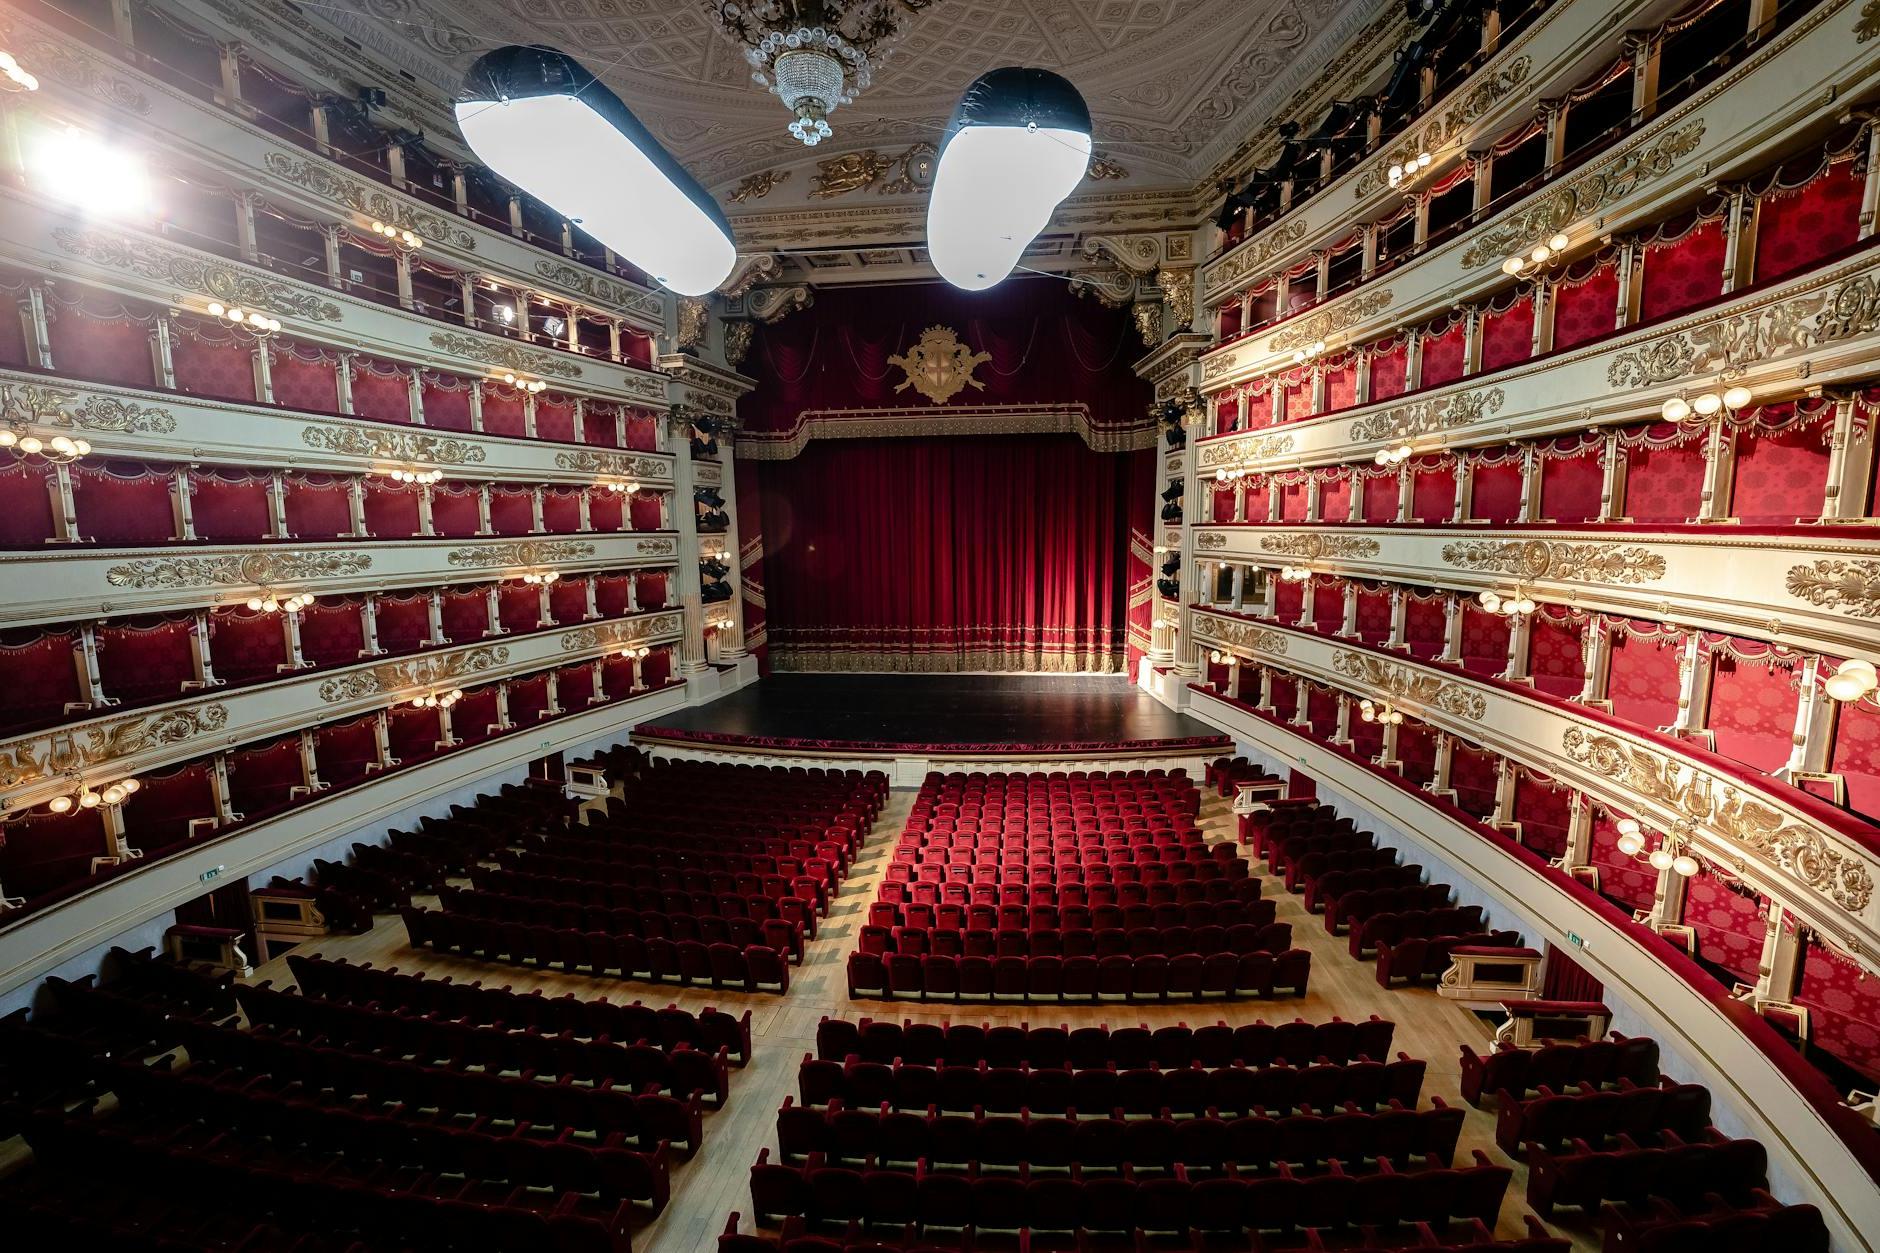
[(1191, 1090), (1187, 977), (1045, 916), (1257, 1043), (596, 842), (1225, 773), (715, 873), (1419, 959), (1001, 893), (1140, 941), (775, 933), (1685, 1174), (709, 1030), (1598, 1062), (755, 968), (1322, 889), (1124, 870), (1550, 1119), (758, 907)]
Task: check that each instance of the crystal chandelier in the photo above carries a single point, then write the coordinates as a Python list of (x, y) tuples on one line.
[(814, 54)]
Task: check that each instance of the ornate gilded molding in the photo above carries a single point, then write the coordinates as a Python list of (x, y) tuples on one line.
[(1331, 320), (525, 552), (1869, 25), (154, 261), (620, 634), (91, 747), (622, 465), (1448, 127), (254, 569), (1208, 541), (757, 186), (364, 198), (1851, 587), (60, 59), (737, 345), (1315, 547), (397, 677), (655, 547), (1404, 684), (1248, 635), (1233, 452), (1754, 335), (599, 288), (504, 356), (939, 366), (695, 323), (1732, 813), (1254, 255), (391, 445), (1554, 559), (1586, 195), (1426, 417), (58, 406)]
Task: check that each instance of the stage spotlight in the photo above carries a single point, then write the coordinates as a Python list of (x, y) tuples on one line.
[(540, 120), (82, 170), (1017, 144)]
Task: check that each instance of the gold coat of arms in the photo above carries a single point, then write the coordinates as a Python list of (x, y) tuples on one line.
[(939, 367)]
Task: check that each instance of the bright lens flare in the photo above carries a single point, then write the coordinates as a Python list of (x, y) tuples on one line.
[(82, 170)]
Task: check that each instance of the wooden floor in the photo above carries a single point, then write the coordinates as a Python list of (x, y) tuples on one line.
[(716, 1182)]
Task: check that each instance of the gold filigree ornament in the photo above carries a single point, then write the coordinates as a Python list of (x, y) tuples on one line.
[(1553, 559), (1406, 685), (939, 366), (1851, 587)]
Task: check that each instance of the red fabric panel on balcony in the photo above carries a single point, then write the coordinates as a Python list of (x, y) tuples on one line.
[(342, 752), (157, 816), (610, 594), (656, 670), (1554, 658), (465, 615), (597, 424), (1373, 615), (13, 351), (1328, 608), (1292, 501), (1416, 750), (1297, 384), (1684, 274), (1387, 372), (511, 511), (1495, 491), (1857, 757), (574, 684), (1424, 623), (528, 700), (642, 432), (211, 362), (561, 510), (617, 677), (518, 607), (1843, 1006), (1484, 639), (1334, 498), (502, 410), (1542, 812), (121, 502), (554, 417), (1367, 738), (1626, 880), (1321, 709), (1221, 501), (46, 852), (1285, 697), (1644, 681), (96, 342), (1797, 228), (332, 631), (1781, 476), (391, 509), (567, 600), (606, 510), (1444, 355), (404, 623), (413, 733), (1380, 497), (1664, 484), (1259, 409), (1433, 492), (1214, 674), (1571, 487), (1728, 923), (259, 778), (1752, 712), (1288, 599), (228, 505), (317, 506), (38, 676), (304, 378), (246, 647), (473, 718), (142, 662), (645, 512), (381, 390), (1259, 498), (454, 510), (651, 588), (1508, 336), (446, 401), (1472, 777), (25, 502), (1588, 308), (1341, 384)]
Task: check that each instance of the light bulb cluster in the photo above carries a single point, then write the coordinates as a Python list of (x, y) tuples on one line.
[(1385, 715), (1311, 352), (1400, 171), (1221, 657), (1851, 680), (63, 449), (1229, 474), (1671, 853), (1295, 574), (248, 319), (627, 487), (1707, 404), (437, 700), (521, 383), (13, 76), (541, 577), (1539, 256), (269, 602), (635, 652), (1516, 604), (1396, 455), (398, 235), (88, 797), (414, 476)]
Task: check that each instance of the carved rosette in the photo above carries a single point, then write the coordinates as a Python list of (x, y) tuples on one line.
[(526, 552), (257, 569), (1406, 686), (1557, 560), (392, 445), (1208, 541)]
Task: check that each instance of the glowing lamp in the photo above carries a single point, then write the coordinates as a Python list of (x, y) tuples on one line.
[(1661, 859), (84, 171), (1845, 687), (1490, 601), (1511, 266), (1017, 144), (1684, 864), (1558, 243), (88, 799), (546, 124), (1676, 409), (130, 787), (1737, 397), (30, 444), (1707, 404), (1862, 669), (60, 804)]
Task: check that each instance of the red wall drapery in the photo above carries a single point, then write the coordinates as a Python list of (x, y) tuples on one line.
[(934, 554)]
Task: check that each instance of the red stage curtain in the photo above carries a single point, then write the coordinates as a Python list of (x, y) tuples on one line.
[(142, 661), (157, 816), (1682, 273), (1380, 497), (259, 778), (1495, 490), (567, 600), (597, 424), (511, 511), (554, 417), (98, 339), (1541, 809), (610, 595), (228, 505), (246, 647), (1423, 625), (643, 511), (332, 630), (503, 410), (1664, 484), (212, 361), (1563, 979), (404, 622), (455, 513), (1328, 607), (1795, 228), (1334, 496), (342, 751), (1844, 1005), (528, 700), (642, 431), (47, 853), (465, 615), (391, 509), (1508, 335), (1571, 486), (446, 400), (317, 506), (1752, 711), (1443, 354), (650, 588), (1387, 371), (38, 676), (1005, 553), (1626, 880), (123, 502), (1728, 923), (518, 607), (561, 510), (1373, 615), (1292, 499), (304, 377), (1433, 490), (1554, 658), (381, 390), (1857, 757), (1586, 303), (1643, 682), (1782, 475), (1484, 639), (25, 501)]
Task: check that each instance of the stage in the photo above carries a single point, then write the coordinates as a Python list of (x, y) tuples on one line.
[(951, 721)]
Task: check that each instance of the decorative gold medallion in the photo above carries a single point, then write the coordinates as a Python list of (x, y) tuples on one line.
[(939, 367)]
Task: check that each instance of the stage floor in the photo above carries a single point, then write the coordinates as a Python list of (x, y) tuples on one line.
[(939, 713)]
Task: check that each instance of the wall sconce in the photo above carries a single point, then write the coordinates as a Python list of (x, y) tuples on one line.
[(13, 77), (1541, 255), (1515, 604), (1384, 714), (110, 796), (524, 384), (631, 487), (1392, 456), (541, 577), (1311, 352), (1851, 680), (414, 476), (1295, 574), (1707, 404), (59, 449), (270, 602), (433, 700), (1399, 172), (407, 240), (1673, 851), (635, 652), (256, 323)]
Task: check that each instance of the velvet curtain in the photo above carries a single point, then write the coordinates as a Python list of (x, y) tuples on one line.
[(953, 555)]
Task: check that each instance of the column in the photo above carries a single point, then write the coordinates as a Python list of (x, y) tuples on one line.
[(369, 625), (502, 707), (218, 790), (1785, 945), (476, 405), (162, 355), (538, 525), (1237, 585), (1596, 659), (1445, 758), (182, 515), (597, 682), (277, 506), (434, 616), (1870, 196), (401, 266), (1850, 462), (1503, 813), (1644, 50), (686, 578), (483, 510), (1629, 286), (1367, 265), (1399, 618), (1612, 480), (1554, 119), (515, 218), (1579, 850), (544, 608), (1472, 340), (425, 526), (382, 743), (1739, 240), (345, 382), (1520, 637), (310, 762), (1543, 340), (329, 251), (290, 632), (1814, 724), (1530, 510), (1406, 491), (1693, 687), (245, 241), (1481, 178), (85, 656), (492, 611), (199, 657), (264, 373), (1452, 627), (584, 513), (1342, 735), (1667, 899), (446, 727), (1719, 465), (1420, 201), (1348, 628), (528, 415), (1265, 702), (356, 506), (467, 297), (554, 697), (591, 610)]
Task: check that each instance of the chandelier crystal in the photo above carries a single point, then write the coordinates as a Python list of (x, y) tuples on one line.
[(813, 54)]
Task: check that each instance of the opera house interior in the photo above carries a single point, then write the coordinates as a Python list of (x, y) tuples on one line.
[(890, 554)]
